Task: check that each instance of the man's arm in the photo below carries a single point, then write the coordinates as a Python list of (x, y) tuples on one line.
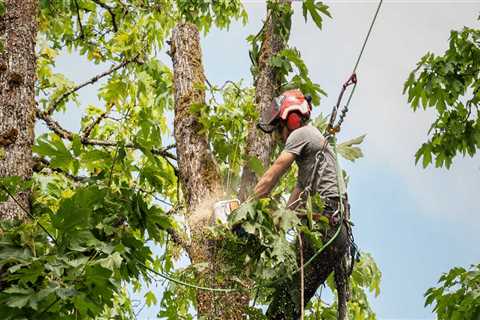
[(273, 174)]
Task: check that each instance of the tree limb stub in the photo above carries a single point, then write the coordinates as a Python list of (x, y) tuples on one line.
[(260, 145)]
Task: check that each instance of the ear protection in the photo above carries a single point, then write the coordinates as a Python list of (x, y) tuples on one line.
[(294, 121)]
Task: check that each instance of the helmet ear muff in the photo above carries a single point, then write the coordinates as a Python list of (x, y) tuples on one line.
[(294, 121)]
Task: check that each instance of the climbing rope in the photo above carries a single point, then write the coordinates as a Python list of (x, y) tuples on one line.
[(352, 80)]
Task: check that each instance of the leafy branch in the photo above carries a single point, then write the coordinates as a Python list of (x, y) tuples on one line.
[(68, 135), (50, 110), (110, 11)]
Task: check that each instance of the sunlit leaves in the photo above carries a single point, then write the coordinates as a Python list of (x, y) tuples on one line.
[(54, 148), (206, 13)]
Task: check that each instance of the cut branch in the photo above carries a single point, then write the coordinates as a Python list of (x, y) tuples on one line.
[(57, 102), (68, 135)]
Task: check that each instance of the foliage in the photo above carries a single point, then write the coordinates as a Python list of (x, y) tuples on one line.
[(225, 124), (450, 84), (315, 9), (289, 57), (458, 295), (98, 240), (204, 12)]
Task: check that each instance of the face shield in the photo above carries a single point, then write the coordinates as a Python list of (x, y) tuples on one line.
[(269, 120)]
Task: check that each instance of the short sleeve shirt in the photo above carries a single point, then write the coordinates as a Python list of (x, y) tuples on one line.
[(304, 143)]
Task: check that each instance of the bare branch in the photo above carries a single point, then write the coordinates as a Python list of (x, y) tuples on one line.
[(110, 11), (54, 125), (55, 104)]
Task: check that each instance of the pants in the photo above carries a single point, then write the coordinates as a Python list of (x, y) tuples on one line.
[(286, 298)]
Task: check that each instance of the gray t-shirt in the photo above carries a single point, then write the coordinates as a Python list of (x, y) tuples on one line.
[(305, 142)]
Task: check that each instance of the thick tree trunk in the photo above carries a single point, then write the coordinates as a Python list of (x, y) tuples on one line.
[(260, 145), (199, 174), (18, 30), (198, 171)]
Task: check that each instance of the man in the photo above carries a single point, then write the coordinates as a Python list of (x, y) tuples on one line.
[(288, 121)]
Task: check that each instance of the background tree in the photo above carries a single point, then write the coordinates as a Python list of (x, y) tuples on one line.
[(103, 194), (451, 84)]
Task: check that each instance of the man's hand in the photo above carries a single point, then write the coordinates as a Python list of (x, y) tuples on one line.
[(273, 174)]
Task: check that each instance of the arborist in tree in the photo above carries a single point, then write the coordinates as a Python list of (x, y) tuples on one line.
[(289, 123)]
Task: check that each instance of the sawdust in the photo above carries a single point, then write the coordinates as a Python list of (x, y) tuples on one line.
[(203, 213)]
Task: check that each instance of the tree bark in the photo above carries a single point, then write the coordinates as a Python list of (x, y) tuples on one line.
[(18, 31), (198, 171), (259, 144)]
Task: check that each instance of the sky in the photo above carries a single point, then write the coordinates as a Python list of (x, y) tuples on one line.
[(417, 223)]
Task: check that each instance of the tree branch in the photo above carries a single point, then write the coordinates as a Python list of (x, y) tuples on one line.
[(65, 134), (110, 11), (88, 130), (41, 163), (55, 104), (82, 35)]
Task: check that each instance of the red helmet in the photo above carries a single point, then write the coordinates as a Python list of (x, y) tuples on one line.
[(290, 101), (283, 106)]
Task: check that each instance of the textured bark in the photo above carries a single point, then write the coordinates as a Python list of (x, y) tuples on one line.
[(198, 170), (260, 145), (18, 31)]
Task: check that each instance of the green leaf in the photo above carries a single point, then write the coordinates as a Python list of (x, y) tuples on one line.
[(150, 299), (54, 148), (256, 165), (348, 151)]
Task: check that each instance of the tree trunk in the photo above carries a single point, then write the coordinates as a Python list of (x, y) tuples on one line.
[(199, 175), (18, 30), (267, 83)]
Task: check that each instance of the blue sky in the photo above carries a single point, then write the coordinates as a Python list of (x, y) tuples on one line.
[(416, 223)]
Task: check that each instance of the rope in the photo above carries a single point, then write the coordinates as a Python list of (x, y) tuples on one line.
[(368, 35), (186, 284), (352, 80)]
